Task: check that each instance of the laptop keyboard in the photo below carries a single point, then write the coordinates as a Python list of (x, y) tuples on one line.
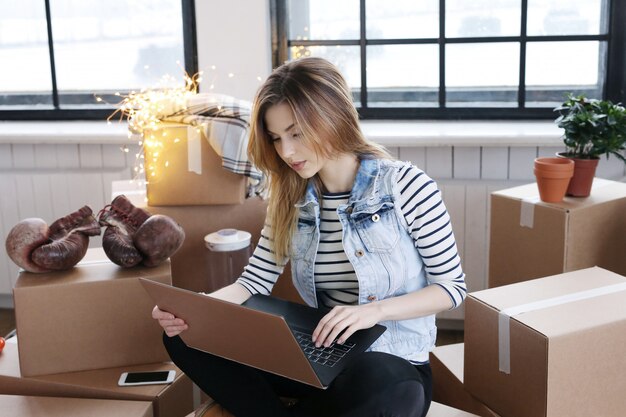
[(327, 356)]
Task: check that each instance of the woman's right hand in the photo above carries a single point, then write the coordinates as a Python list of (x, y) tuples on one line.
[(171, 324)]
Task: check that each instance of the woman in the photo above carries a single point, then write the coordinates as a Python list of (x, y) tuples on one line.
[(369, 240)]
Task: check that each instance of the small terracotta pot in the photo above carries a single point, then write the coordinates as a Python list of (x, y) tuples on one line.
[(553, 176), (584, 172)]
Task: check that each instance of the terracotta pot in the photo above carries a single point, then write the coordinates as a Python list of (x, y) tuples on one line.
[(553, 176), (584, 172)]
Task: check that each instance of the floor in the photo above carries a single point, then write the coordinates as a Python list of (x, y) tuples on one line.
[(444, 337)]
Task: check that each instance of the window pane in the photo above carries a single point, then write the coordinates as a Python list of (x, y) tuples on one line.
[(482, 74), (346, 58), (403, 75), (323, 19), (571, 17), (402, 19), (115, 45), (551, 72), (25, 62), (474, 18)]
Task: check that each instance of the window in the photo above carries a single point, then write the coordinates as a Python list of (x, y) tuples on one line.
[(58, 55), (461, 58)]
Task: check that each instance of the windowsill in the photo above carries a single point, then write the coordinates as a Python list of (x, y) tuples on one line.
[(63, 132), (388, 133), (463, 133)]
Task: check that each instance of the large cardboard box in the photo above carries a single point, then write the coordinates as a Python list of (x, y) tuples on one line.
[(191, 264), (20, 406), (183, 169), (549, 347), (446, 363), (95, 315), (174, 400), (531, 239)]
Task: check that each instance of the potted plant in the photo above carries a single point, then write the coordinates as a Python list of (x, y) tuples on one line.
[(592, 128)]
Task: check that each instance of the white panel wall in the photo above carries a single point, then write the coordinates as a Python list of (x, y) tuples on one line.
[(51, 181)]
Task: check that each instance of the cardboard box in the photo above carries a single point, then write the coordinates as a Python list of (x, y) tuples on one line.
[(531, 239), (191, 266), (549, 347), (446, 363), (174, 400), (440, 410), (436, 410), (95, 315), (194, 173), (19, 406)]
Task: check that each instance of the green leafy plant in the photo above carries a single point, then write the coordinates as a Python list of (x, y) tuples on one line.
[(592, 127)]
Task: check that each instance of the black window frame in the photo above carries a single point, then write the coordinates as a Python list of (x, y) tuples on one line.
[(98, 112), (614, 86)]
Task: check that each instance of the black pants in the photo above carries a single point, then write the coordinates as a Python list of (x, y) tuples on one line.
[(373, 385)]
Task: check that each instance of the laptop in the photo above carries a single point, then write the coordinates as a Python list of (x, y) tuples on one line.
[(264, 332)]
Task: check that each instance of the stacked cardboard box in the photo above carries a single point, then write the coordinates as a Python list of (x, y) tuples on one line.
[(21, 406), (79, 329), (93, 316), (191, 267), (175, 399), (549, 347), (182, 169), (532, 239)]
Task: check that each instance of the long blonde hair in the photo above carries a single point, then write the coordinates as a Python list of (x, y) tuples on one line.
[(321, 103)]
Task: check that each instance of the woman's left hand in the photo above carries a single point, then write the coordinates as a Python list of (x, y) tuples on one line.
[(346, 319)]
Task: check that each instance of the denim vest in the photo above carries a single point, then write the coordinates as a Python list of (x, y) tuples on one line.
[(377, 242)]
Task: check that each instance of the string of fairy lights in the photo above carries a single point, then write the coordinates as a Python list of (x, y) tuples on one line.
[(147, 110), (144, 111)]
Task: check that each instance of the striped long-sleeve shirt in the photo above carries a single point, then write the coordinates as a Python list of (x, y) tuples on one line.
[(335, 279)]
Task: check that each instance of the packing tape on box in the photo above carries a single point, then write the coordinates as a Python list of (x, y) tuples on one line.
[(194, 150), (504, 317), (527, 212)]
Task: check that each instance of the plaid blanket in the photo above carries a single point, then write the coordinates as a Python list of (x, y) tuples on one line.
[(225, 122)]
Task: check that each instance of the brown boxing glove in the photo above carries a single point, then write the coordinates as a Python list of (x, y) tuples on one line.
[(135, 236), (35, 247), (158, 238)]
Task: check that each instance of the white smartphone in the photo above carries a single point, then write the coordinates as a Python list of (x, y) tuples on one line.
[(146, 378)]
